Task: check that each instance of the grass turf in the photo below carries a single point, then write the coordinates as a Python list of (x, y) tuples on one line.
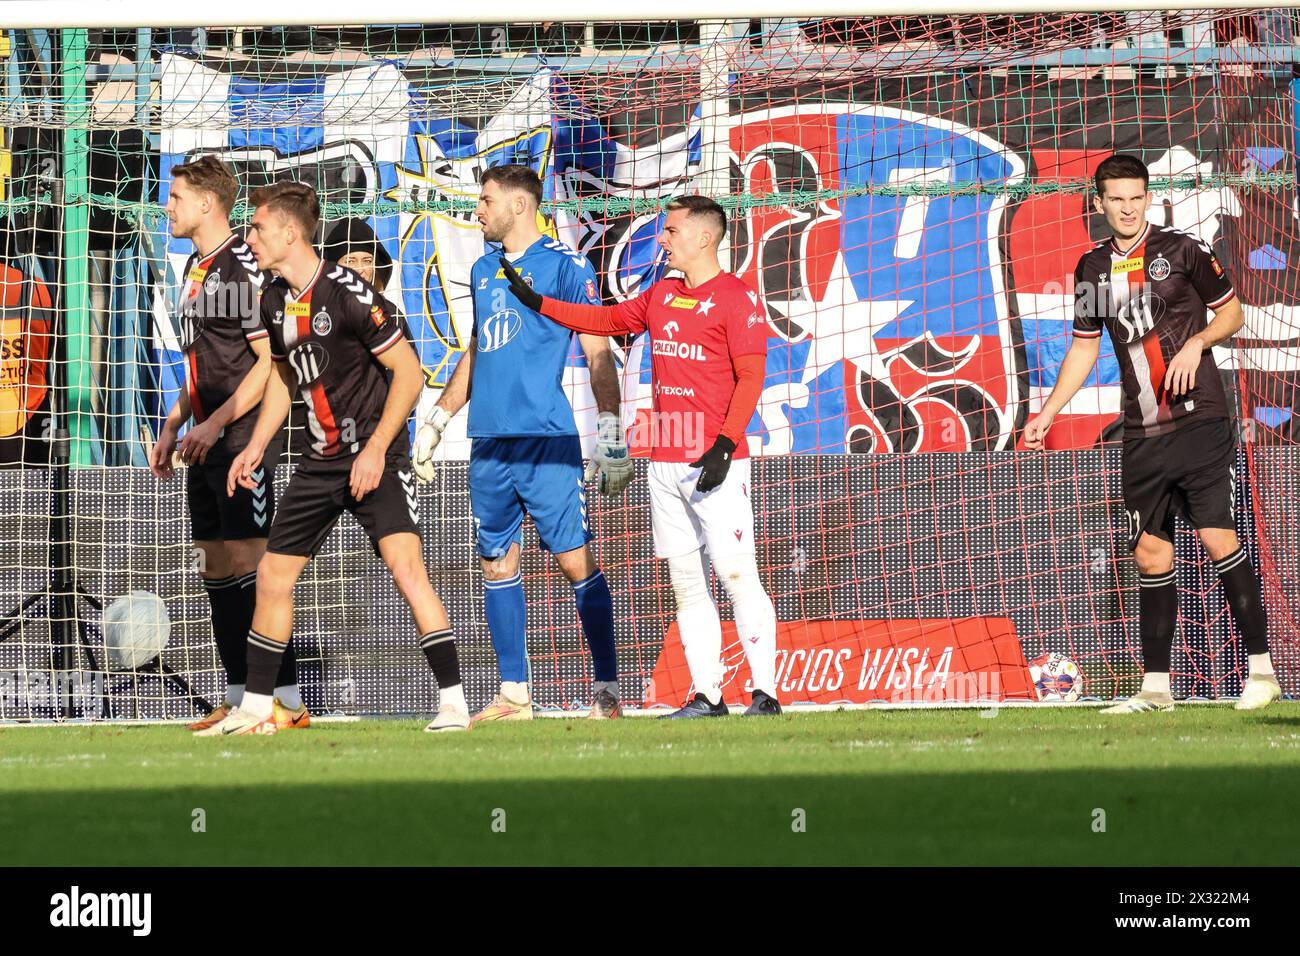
[(1201, 786)]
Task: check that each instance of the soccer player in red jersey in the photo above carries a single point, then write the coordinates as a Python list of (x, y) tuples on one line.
[(708, 344), (1150, 287)]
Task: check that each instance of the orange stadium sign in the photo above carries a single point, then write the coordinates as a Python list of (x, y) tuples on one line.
[(900, 661), (25, 342)]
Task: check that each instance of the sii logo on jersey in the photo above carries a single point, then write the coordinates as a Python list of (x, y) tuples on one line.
[(498, 330), (1138, 316), (309, 361)]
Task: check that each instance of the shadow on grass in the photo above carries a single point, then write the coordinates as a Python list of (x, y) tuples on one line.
[(1155, 817)]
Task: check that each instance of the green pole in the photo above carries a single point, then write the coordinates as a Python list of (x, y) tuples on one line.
[(79, 416)]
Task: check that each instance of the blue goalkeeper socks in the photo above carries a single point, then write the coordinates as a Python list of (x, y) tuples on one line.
[(504, 605), (596, 610)]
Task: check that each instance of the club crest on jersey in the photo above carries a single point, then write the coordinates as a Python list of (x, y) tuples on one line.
[(498, 330), (501, 274), (321, 323), (309, 361), (377, 315), (212, 282), (1159, 268)]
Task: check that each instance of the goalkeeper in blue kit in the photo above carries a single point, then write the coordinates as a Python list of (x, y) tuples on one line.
[(525, 454)]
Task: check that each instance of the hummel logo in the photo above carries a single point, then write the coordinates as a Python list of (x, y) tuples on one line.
[(412, 497), (356, 286)]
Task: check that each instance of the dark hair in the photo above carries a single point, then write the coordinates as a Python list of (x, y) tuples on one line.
[(1120, 166), (298, 201), (703, 206), (210, 175), (517, 178)]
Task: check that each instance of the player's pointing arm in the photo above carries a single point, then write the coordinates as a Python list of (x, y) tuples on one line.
[(626, 318)]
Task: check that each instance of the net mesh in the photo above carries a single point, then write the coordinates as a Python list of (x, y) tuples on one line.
[(908, 195)]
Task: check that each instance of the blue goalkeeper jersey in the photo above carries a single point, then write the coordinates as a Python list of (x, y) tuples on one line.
[(517, 389)]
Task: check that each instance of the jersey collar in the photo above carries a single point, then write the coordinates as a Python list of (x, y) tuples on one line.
[(320, 264), (541, 240), (1142, 237), (212, 255)]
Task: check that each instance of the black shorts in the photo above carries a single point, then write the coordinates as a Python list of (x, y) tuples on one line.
[(319, 493), (215, 517), (1190, 471)]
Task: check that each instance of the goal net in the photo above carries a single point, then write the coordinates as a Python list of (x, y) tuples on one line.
[(910, 197)]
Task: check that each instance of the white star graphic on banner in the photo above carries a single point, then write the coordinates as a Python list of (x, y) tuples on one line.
[(842, 326)]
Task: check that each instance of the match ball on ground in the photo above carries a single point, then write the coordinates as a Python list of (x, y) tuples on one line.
[(1056, 678), (136, 629)]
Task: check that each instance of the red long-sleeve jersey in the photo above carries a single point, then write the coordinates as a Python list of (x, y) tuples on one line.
[(708, 348)]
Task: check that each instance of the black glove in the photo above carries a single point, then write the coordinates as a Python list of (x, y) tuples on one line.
[(714, 464), (522, 290)]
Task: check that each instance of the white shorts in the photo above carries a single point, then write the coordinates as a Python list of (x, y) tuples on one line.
[(682, 520)]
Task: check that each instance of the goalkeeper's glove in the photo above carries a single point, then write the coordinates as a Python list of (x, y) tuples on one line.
[(611, 459), (714, 464), (427, 437), (522, 290)]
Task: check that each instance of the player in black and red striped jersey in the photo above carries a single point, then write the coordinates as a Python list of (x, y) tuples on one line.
[(227, 362), (1150, 288), (334, 340)]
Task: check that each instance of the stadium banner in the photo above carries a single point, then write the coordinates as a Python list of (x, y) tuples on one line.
[(919, 321), (903, 318), (962, 660)]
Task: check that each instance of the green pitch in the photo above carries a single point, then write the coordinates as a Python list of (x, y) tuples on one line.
[(1204, 785)]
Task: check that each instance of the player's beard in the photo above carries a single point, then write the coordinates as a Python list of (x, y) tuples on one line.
[(495, 231)]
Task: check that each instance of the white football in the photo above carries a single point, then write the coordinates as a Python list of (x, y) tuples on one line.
[(1056, 678), (136, 629)]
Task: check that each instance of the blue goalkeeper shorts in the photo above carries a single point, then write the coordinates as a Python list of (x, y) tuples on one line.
[(540, 475)]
